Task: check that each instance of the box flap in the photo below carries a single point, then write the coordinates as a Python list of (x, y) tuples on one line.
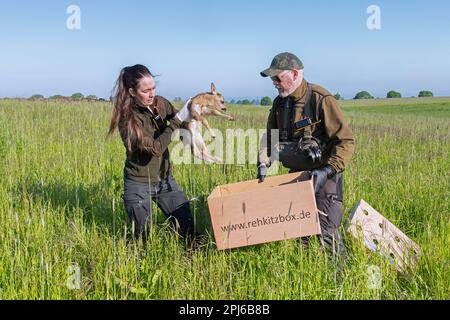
[(269, 182)]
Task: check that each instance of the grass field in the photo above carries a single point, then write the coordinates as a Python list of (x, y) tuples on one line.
[(61, 208)]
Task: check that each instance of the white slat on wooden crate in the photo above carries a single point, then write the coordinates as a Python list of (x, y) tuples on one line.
[(380, 235)]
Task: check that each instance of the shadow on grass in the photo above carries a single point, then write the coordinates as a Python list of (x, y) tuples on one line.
[(95, 203), (200, 211)]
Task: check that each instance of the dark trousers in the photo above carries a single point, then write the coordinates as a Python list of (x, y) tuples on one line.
[(329, 202), (170, 199)]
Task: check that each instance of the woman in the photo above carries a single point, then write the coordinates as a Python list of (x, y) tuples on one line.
[(145, 122)]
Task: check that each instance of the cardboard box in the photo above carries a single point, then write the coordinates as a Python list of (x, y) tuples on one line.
[(249, 213)]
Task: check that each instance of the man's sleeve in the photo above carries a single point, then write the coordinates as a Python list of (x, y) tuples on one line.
[(341, 136)]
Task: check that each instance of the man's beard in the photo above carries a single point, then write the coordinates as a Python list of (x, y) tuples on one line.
[(294, 86), (283, 94)]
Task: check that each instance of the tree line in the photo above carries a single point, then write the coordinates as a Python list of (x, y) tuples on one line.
[(267, 101), (391, 94), (264, 101), (76, 97)]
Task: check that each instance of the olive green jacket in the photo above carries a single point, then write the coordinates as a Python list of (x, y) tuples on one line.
[(150, 161), (333, 130)]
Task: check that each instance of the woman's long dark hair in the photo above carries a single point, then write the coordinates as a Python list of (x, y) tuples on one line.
[(124, 106)]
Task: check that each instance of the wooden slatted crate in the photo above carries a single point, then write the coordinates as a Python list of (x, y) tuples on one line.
[(380, 235)]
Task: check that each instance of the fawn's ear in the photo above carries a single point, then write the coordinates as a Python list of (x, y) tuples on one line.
[(213, 88)]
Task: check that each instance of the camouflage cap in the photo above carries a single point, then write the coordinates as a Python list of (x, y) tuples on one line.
[(281, 62)]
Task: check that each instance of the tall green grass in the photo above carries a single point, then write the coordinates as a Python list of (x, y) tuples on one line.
[(60, 206)]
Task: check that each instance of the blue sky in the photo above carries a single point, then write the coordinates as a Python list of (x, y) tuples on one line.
[(191, 43)]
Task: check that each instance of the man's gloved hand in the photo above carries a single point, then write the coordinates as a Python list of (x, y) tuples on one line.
[(321, 176), (184, 114), (262, 172)]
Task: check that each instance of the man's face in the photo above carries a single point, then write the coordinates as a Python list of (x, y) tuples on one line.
[(145, 91), (284, 82)]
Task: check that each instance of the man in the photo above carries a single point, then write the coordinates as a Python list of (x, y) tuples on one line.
[(313, 136)]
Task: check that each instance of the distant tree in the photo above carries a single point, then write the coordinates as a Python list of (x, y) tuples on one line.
[(425, 93), (337, 96), (393, 94), (101, 99), (77, 96), (56, 96), (177, 99), (111, 98), (37, 97), (246, 102), (363, 95), (232, 101), (91, 97), (266, 101)]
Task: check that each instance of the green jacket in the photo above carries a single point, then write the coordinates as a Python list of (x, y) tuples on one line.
[(333, 130), (150, 162)]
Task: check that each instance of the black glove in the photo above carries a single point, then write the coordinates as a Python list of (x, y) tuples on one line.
[(321, 176), (262, 172)]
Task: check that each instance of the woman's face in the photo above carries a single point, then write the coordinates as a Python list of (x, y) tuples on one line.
[(145, 91)]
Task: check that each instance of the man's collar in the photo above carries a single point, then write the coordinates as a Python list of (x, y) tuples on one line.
[(300, 92)]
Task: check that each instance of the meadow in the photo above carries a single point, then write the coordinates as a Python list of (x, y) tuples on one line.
[(61, 211)]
